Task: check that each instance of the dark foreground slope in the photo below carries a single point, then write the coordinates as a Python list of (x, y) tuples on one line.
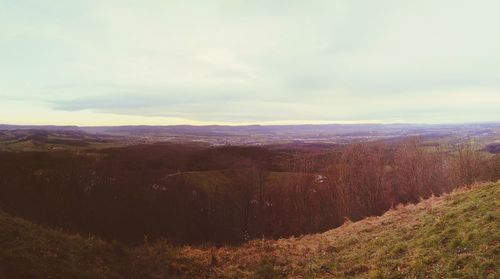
[(28, 250), (453, 236)]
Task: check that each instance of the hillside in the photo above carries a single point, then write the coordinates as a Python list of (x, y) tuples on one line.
[(453, 236), (447, 237), (30, 251)]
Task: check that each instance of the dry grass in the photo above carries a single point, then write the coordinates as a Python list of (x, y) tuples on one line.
[(398, 244), (452, 236)]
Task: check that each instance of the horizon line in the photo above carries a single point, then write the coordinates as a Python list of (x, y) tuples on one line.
[(254, 124)]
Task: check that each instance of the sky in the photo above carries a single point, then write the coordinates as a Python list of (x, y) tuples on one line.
[(105, 62)]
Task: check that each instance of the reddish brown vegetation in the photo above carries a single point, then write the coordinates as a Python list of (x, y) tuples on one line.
[(127, 193)]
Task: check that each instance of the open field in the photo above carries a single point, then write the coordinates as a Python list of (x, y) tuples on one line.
[(27, 138)]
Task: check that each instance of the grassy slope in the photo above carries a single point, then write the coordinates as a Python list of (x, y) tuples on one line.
[(447, 237), (28, 250)]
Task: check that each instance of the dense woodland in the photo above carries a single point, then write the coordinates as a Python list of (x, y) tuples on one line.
[(194, 193)]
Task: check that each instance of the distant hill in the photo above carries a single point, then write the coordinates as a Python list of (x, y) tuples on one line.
[(454, 236), (315, 130), (39, 127), (306, 130)]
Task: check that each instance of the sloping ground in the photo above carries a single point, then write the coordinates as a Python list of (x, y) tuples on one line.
[(28, 250), (455, 236), (32, 251)]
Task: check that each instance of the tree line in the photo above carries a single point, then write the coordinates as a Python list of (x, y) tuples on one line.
[(198, 194)]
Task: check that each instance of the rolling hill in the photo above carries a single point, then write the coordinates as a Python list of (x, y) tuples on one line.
[(453, 236)]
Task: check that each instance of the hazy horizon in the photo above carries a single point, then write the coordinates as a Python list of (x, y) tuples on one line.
[(95, 63), (264, 125)]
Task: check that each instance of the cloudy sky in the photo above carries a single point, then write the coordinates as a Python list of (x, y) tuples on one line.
[(241, 62)]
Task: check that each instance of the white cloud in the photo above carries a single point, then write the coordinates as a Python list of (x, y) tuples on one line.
[(248, 62)]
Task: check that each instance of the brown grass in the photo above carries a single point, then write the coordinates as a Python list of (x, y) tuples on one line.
[(353, 249)]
